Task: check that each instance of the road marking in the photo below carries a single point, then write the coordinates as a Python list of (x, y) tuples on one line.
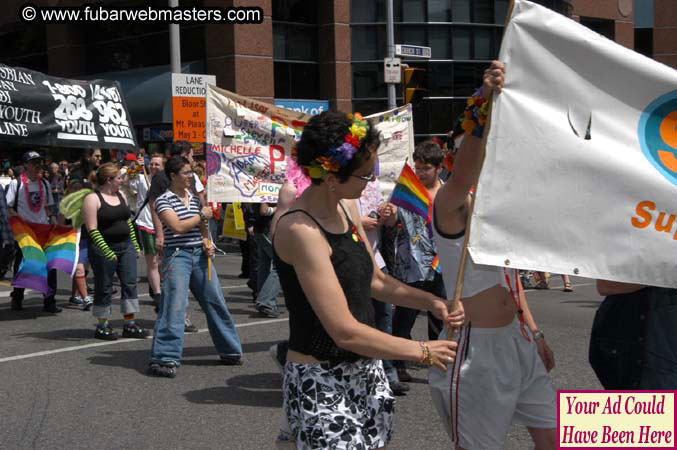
[(559, 287), (123, 341), (31, 291)]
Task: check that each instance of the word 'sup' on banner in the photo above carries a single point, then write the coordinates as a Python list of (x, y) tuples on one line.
[(580, 174), (396, 133), (248, 145), (40, 110)]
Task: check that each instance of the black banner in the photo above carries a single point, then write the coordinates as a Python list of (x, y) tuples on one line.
[(36, 109)]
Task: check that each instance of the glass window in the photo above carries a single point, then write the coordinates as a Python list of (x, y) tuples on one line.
[(368, 81), (438, 11), (461, 43), (413, 10), (440, 42), (441, 116), (368, 42), (367, 11), (467, 78), (410, 34), (440, 80), (460, 10), (367, 107), (483, 11), (500, 11), (483, 47), (296, 80), (299, 11), (299, 42)]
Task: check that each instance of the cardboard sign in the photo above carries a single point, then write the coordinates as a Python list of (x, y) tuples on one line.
[(189, 104)]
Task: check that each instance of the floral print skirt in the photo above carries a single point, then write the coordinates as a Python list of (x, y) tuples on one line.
[(345, 406)]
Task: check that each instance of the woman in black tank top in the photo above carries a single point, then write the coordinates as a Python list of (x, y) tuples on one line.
[(336, 394), (113, 249)]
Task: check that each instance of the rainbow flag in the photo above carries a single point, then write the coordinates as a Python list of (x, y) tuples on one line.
[(44, 247), (436, 264), (410, 194)]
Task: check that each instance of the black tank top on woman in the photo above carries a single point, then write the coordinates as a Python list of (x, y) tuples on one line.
[(354, 268), (112, 220)]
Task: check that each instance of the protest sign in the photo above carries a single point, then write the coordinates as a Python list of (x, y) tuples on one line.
[(189, 106), (230, 228), (248, 145), (36, 109), (396, 131), (580, 172)]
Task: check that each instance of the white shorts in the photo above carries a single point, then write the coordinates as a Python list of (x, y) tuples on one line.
[(496, 378)]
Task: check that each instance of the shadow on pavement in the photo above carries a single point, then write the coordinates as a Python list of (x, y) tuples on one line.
[(74, 334), (584, 303), (261, 389)]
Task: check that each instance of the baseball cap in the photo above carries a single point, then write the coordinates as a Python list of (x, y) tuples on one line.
[(31, 155)]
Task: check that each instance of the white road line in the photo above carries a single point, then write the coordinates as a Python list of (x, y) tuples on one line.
[(554, 288), (123, 341), (31, 291)]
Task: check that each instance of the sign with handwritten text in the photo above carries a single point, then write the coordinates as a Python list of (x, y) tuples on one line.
[(189, 92)]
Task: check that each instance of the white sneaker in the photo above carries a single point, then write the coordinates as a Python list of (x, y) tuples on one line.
[(87, 303)]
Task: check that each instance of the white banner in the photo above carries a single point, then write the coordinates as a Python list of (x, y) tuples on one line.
[(396, 130), (580, 174), (249, 143)]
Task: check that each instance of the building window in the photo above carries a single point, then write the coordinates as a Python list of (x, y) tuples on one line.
[(295, 49)]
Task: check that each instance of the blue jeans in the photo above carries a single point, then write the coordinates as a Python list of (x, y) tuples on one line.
[(183, 269), (268, 280), (383, 318), (104, 269)]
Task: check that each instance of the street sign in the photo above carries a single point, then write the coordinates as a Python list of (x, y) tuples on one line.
[(391, 70), (189, 106), (415, 51)]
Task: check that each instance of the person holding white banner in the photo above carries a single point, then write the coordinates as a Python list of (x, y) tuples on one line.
[(336, 393), (501, 372)]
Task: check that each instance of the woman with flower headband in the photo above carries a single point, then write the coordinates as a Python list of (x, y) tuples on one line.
[(336, 394)]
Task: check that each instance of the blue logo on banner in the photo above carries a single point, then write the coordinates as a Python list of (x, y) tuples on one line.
[(312, 107), (658, 135)]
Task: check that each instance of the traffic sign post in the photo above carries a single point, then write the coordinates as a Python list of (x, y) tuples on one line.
[(412, 51), (392, 70)]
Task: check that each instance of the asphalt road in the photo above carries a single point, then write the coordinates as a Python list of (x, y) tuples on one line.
[(61, 389)]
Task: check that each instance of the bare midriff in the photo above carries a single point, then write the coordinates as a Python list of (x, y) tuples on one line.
[(301, 358), (491, 308)]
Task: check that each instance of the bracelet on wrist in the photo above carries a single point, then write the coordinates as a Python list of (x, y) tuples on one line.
[(538, 334), (426, 357)]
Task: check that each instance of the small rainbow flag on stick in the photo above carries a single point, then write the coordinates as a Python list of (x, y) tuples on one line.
[(44, 247), (410, 194)]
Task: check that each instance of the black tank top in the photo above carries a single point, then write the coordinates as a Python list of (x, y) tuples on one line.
[(112, 220), (354, 268)]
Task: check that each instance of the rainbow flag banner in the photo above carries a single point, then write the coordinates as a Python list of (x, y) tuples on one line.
[(44, 247), (410, 194), (436, 264)]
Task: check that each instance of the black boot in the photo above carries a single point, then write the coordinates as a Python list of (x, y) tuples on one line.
[(17, 301), (50, 306)]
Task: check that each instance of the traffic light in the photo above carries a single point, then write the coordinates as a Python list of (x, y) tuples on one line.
[(414, 85)]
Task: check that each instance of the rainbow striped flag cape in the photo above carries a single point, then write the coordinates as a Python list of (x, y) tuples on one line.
[(44, 247), (412, 195)]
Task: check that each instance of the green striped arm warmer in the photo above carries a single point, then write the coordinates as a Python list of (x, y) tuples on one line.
[(132, 234), (100, 243)]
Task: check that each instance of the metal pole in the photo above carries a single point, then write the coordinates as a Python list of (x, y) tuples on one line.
[(174, 43), (390, 33)]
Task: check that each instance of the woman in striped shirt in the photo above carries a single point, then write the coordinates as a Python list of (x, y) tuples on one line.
[(184, 266)]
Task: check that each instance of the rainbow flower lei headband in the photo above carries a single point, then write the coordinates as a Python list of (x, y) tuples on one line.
[(340, 156)]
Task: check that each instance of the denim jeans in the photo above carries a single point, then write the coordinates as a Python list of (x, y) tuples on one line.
[(182, 269), (125, 267), (404, 318), (268, 280), (383, 318)]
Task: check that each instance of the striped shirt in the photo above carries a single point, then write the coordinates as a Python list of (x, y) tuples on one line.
[(170, 200)]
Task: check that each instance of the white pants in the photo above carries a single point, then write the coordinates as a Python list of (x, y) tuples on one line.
[(497, 377)]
